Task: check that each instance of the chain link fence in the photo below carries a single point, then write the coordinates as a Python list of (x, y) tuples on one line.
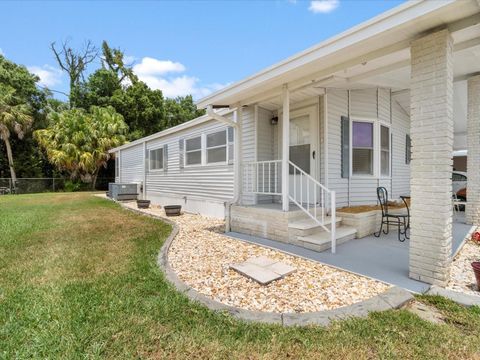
[(40, 185)]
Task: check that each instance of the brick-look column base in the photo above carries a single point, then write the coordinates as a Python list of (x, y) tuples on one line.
[(431, 131), (473, 146)]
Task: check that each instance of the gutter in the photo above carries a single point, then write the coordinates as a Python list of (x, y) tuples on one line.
[(237, 163)]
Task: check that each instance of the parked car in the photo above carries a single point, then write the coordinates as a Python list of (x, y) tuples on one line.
[(459, 183)]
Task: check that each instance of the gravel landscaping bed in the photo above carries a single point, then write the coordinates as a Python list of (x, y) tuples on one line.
[(462, 278), (201, 255)]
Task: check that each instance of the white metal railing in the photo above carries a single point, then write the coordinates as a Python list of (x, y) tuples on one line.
[(314, 199), (262, 177)]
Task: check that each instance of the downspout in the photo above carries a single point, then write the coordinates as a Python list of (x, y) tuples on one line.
[(237, 156)]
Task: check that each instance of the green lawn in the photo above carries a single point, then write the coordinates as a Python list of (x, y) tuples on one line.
[(78, 279)]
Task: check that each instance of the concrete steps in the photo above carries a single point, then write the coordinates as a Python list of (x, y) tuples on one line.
[(307, 226), (306, 232), (321, 240)]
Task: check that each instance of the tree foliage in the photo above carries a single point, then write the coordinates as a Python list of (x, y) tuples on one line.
[(78, 141), (15, 117), (25, 102)]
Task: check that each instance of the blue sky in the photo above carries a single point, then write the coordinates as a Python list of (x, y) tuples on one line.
[(179, 46)]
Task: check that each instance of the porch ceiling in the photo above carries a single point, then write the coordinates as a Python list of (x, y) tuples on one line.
[(374, 53)]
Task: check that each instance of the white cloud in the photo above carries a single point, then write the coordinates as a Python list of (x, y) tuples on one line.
[(49, 75), (323, 6), (166, 75), (150, 66)]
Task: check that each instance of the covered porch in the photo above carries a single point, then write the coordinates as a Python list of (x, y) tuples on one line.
[(384, 104)]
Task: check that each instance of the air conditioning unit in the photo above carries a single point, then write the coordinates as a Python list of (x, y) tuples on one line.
[(121, 192)]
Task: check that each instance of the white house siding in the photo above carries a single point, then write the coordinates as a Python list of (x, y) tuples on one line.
[(249, 146), (337, 106), (131, 160), (401, 170), (366, 104), (265, 143)]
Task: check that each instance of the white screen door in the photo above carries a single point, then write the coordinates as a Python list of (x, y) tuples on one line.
[(303, 153)]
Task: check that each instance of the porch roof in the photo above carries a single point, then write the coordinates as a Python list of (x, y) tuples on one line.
[(374, 53)]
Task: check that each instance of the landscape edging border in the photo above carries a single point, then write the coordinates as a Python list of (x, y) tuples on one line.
[(393, 298)]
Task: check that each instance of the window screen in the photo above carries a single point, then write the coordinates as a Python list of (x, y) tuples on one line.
[(362, 148), (156, 159), (193, 151), (217, 147), (385, 151)]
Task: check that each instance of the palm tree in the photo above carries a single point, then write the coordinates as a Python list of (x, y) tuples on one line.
[(14, 118)]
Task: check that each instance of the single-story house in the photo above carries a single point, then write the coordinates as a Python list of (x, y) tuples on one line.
[(383, 104)]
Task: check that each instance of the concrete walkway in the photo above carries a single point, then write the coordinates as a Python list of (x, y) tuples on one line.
[(383, 258)]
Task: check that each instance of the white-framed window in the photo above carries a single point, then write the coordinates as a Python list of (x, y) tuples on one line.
[(216, 147), (193, 151), (385, 150), (155, 157), (362, 140)]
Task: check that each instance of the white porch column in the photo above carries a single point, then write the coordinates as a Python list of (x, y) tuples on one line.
[(285, 146), (431, 166), (237, 154), (472, 211)]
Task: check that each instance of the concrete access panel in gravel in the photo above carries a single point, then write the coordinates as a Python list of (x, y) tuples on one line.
[(263, 269)]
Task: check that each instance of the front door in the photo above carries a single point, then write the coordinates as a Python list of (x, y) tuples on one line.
[(304, 153)]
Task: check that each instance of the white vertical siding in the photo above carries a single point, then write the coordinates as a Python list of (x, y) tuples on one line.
[(211, 182), (337, 106), (400, 170), (131, 164)]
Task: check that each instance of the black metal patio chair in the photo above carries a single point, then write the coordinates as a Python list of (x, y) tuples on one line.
[(399, 220)]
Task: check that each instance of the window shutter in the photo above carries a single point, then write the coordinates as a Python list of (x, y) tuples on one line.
[(181, 153), (165, 157), (408, 149), (345, 145)]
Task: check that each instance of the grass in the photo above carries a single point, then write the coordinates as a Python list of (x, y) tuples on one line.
[(78, 279)]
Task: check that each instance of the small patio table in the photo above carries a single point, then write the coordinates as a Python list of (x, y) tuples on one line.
[(404, 199)]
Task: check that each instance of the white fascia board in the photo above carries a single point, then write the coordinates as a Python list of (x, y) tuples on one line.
[(397, 16), (194, 122)]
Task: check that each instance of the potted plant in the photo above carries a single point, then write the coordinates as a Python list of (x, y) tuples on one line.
[(143, 204), (172, 210)]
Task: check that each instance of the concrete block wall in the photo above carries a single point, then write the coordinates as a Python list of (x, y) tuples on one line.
[(431, 166), (473, 146)]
